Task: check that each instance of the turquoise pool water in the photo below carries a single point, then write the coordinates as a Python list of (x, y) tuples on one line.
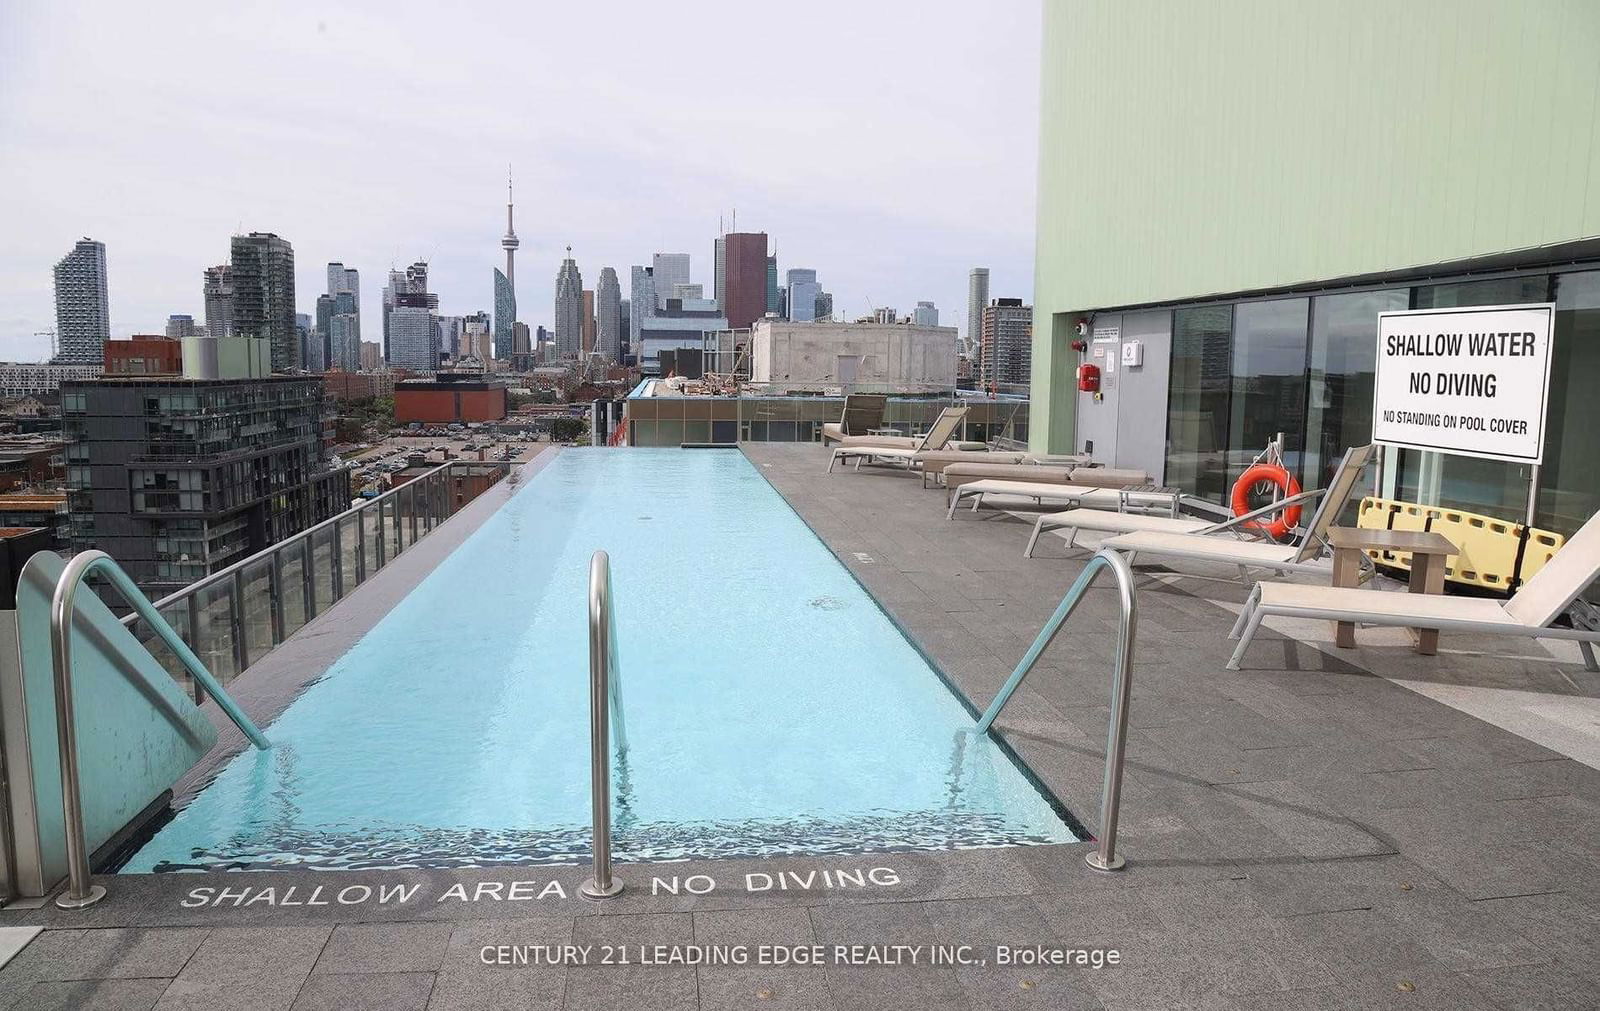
[(771, 707)]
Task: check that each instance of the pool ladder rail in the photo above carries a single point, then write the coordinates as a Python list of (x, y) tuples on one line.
[(81, 891), (1105, 858), (605, 710)]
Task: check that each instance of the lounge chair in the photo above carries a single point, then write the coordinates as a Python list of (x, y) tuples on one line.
[(1529, 612), (933, 462), (1281, 558), (1039, 491), (1103, 487), (1100, 521), (937, 436), (1046, 470), (862, 411)]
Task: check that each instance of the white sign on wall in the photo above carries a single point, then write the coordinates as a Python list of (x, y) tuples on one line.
[(1473, 382)]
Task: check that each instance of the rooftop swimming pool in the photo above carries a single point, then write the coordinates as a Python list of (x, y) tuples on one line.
[(771, 706)]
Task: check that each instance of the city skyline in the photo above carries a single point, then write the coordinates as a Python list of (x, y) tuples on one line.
[(637, 192)]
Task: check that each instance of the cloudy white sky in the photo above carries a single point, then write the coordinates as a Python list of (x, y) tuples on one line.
[(890, 145)]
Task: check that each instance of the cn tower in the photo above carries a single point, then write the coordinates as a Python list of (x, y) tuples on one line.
[(509, 243)]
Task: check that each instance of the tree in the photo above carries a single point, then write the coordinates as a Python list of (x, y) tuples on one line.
[(349, 429), (567, 429)]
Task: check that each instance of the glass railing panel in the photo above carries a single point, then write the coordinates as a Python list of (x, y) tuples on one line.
[(256, 605), (391, 522), (413, 493), (322, 569), (214, 630), (403, 515), (426, 510), (292, 566), (177, 615), (372, 537), (349, 549), (248, 613)]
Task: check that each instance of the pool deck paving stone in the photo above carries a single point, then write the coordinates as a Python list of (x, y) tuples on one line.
[(1300, 834)]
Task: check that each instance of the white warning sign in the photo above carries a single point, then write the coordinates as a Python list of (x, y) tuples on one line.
[(1473, 382)]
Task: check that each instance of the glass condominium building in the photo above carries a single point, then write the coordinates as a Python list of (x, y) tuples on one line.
[(1252, 234)]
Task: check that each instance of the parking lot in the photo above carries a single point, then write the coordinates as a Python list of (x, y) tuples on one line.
[(375, 463)]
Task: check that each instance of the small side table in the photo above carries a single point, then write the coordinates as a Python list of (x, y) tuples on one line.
[(1428, 552), (1142, 497)]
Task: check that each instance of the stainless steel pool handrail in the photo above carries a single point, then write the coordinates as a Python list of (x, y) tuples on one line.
[(80, 891), (1105, 858), (602, 637)]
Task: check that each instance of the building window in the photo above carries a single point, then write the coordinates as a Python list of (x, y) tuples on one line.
[(1197, 404), (1343, 368), (1269, 379), (1569, 482)]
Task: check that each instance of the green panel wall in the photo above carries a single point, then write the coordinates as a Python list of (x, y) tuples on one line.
[(1189, 149)]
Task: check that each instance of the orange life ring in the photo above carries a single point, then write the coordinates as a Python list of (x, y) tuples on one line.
[(1285, 520)]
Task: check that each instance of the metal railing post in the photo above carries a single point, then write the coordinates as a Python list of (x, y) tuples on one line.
[(1105, 857), (236, 620), (383, 549), (336, 563), (275, 574), (308, 578), (602, 885), (80, 890)]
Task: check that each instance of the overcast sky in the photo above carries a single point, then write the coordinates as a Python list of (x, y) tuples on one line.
[(890, 145)]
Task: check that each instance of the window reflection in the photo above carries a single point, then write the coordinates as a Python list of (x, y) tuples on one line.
[(1197, 406), (1569, 483), (1269, 379), (1241, 373), (1344, 343)]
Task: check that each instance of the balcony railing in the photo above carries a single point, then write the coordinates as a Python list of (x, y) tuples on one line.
[(237, 615)]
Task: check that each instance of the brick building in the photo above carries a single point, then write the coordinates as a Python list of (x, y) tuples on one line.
[(28, 462), (144, 355), (449, 397), (358, 385)]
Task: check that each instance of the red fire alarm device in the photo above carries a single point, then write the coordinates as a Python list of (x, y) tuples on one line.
[(1089, 378), (1080, 346)]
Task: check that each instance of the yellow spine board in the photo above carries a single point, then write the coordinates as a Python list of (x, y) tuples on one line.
[(1488, 556)]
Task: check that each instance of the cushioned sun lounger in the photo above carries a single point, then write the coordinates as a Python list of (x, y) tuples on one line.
[(1059, 486), (1529, 613), (1283, 558), (939, 433), (1039, 491), (933, 462), (1102, 521)]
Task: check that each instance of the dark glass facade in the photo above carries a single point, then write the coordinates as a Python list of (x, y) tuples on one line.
[(1340, 374), (1569, 481), (179, 478), (1197, 405), (1269, 374), (1243, 370)]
